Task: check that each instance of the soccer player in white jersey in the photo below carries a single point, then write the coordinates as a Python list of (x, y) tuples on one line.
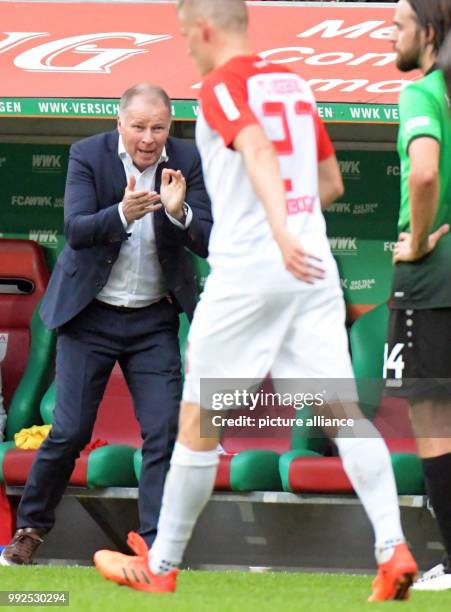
[(273, 300)]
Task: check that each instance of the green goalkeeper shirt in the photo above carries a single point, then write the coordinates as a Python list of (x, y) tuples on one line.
[(424, 110)]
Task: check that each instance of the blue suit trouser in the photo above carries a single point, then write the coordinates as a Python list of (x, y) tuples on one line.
[(145, 343)]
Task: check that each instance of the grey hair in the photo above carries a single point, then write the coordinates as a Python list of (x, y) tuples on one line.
[(153, 92), (228, 15)]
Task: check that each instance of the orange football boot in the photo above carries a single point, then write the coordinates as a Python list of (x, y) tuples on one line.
[(395, 576), (133, 570)]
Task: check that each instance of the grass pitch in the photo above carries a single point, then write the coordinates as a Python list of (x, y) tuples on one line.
[(215, 592)]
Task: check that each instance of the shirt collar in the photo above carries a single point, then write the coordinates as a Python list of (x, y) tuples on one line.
[(124, 155)]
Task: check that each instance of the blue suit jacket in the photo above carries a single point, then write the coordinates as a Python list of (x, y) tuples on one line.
[(94, 232)]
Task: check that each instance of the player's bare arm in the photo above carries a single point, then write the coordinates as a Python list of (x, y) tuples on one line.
[(424, 187), (330, 182), (264, 172)]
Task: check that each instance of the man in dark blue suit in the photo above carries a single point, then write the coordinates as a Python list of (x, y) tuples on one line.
[(134, 199)]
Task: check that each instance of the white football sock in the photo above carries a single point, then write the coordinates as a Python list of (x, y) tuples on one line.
[(367, 463), (188, 487)]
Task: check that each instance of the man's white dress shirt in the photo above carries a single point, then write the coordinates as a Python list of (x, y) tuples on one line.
[(136, 279)]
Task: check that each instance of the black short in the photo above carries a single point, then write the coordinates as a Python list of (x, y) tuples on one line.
[(417, 356)]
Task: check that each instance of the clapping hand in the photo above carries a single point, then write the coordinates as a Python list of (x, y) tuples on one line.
[(136, 204), (173, 192)]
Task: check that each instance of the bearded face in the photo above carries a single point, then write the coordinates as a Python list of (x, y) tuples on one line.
[(409, 56), (409, 40)]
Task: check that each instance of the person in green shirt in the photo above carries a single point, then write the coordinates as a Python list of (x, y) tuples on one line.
[(417, 362)]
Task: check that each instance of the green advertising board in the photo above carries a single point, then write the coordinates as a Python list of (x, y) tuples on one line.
[(182, 110), (362, 225), (365, 268), (370, 206), (31, 200)]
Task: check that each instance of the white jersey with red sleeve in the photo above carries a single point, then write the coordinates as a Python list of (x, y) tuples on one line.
[(245, 91)]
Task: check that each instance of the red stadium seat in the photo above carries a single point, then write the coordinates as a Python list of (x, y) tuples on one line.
[(109, 465), (249, 470), (19, 260), (251, 463), (26, 346), (318, 475)]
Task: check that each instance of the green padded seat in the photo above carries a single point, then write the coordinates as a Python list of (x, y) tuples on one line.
[(110, 465), (304, 471), (183, 337), (285, 463), (367, 339), (249, 470), (23, 410), (408, 472), (201, 270)]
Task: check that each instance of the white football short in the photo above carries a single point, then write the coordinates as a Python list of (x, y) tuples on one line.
[(296, 335)]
